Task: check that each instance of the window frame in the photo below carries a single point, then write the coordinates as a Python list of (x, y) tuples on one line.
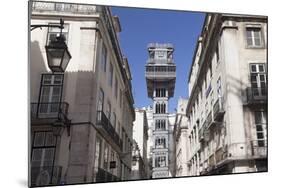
[(261, 31)]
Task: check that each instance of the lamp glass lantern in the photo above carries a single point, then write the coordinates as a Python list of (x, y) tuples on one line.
[(58, 55)]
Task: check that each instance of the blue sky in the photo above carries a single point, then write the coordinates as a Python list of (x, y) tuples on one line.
[(143, 26)]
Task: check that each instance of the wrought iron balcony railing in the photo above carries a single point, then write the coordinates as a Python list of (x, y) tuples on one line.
[(160, 71), (256, 95), (218, 109), (46, 175), (104, 176), (41, 6), (104, 124), (49, 110)]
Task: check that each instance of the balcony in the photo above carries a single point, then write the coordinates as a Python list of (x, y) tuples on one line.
[(104, 176), (49, 112), (218, 109), (259, 148), (63, 8), (160, 72), (46, 175), (105, 126), (256, 95)]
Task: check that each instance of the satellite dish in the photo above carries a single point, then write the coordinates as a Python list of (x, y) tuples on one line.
[(43, 178)]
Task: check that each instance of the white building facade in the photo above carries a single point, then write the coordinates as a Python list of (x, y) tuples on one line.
[(81, 119), (227, 106), (180, 134), (140, 135)]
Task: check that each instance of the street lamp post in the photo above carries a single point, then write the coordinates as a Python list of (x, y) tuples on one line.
[(57, 52)]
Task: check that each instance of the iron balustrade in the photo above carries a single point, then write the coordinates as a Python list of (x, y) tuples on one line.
[(218, 109), (160, 61), (104, 123), (160, 71), (49, 110), (45, 175), (41, 6), (256, 95), (104, 176)]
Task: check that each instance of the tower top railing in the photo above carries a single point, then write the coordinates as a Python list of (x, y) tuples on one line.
[(159, 45)]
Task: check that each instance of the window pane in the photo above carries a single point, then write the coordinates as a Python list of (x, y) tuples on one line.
[(47, 79), (253, 78), (39, 139), (259, 128), (49, 156), (253, 68), (58, 79), (260, 135), (50, 139), (257, 41), (261, 68), (36, 157)]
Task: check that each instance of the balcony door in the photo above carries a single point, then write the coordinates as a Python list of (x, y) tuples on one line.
[(50, 97), (42, 157), (258, 80)]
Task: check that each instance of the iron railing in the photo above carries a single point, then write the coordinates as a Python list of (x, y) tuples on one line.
[(256, 95), (218, 109), (45, 175), (160, 71), (49, 110), (104, 176), (104, 123), (41, 6)]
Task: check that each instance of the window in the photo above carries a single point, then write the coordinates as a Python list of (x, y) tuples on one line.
[(106, 156), (97, 154), (261, 123), (103, 57), (55, 32), (160, 108), (161, 92), (160, 161), (112, 158), (258, 79), (50, 97), (160, 124), (253, 36), (43, 149), (160, 142), (116, 88), (108, 110), (101, 100), (110, 80)]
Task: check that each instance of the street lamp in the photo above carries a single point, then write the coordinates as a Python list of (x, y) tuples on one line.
[(57, 52)]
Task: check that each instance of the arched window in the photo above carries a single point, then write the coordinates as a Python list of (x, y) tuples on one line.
[(157, 108), (163, 108)]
